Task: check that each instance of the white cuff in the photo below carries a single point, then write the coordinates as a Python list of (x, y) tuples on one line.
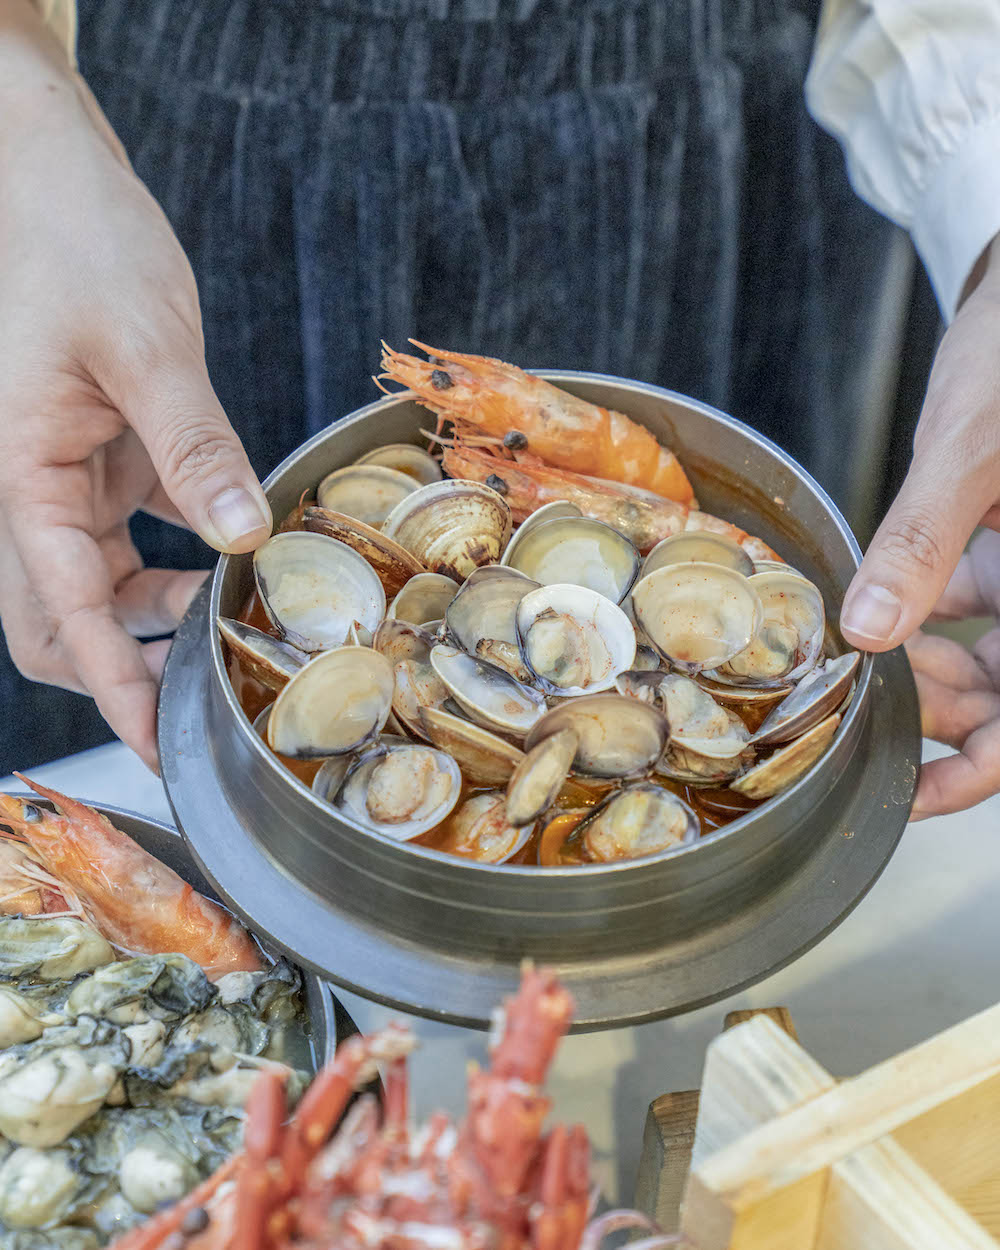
[(959, 213)]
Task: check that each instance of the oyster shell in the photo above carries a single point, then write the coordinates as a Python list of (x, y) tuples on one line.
[(618, 737), (313, 587), (481, 830), (539, 777), (485, 758), (452, 526), (368, 492), (406, 458), (487, 693), (789, 763), (267, 660), (574, 640), (334, 705), (393, 564), (579, 551), (702, 547), (401, 790), (641, 819), (819, 693)]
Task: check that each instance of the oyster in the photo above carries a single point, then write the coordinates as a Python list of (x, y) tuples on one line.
[(641, 819), (539, 777), (267, 660), (313, 587), (618, 736), (52, 948), (487, 693), (789, 763), (484, 757), (401, 791), (788, 640), (574, 640), (335, 704), (580, 551), (405, 458), (164, 986), (22, 1019), (452, 526), (366, 492), (703, 547), (392, 563), (818, 694), (697, 616), (424, 598), (39, 1188), (480, 829)]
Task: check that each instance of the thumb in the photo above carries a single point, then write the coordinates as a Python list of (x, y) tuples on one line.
[(167, 398), (911, 558)]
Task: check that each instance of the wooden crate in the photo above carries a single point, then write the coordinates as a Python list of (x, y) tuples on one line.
[(782, 1156)]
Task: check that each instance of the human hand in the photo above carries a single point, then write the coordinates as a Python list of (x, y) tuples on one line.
[(915, 566), (105, 401)]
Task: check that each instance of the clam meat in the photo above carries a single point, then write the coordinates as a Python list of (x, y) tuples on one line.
[(401, 790), (481, 829), (641, 819), (574, 640)]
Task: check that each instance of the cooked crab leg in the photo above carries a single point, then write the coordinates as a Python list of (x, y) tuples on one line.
[(567, 432)]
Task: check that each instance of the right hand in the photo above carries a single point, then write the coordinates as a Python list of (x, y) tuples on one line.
[(105, 401)]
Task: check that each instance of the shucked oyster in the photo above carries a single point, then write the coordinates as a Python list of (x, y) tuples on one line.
[(52, 948)]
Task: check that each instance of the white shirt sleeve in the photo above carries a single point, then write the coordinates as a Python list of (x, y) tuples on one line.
[(911, 88)]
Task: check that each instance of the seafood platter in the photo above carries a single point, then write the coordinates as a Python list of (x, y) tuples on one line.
[(537, 666), (134, 1023)]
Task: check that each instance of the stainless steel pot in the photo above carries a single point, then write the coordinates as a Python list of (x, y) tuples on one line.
[(444, 937)]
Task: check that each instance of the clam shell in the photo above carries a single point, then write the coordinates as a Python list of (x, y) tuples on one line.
[(789, 638), (579, 551), (332, 706), (646, 660), (505, 655), (638, 820), (401, 790), (480, 830), (313, 588), (680, 764), (424, 598), (539, 777), (452, 526), (368, 492), (819, 693), (555, 510), (392, 563), (267, 660), (415, 462), (702, 547), (697, 615), (574, 640), (407, 647), (697, 722), (742, 696), (330, 777), (619, 737), (788, 764), (359, 635), (485, 758), (486, 692), (485, 609)]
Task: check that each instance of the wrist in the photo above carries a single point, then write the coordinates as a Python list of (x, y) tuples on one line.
[(36, 79)]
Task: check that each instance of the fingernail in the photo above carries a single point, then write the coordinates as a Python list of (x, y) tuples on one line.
[(235, 514), (872, 612)]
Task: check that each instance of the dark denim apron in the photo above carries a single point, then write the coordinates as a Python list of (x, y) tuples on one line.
[(629, 186)]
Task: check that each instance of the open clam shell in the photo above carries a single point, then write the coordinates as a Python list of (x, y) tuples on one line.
[(574, 640), (680, 764), (330, 777), (618, 737), (452, 526), (424, 599), (408, 648), (817, 695), (539, 777), (558, 508), (697, 616), (481, 830), (580, 551), (484, 757), (313, 588), (392, 563), (334, 705), (640, 819), (505, 655), (697, 722), (487, 693), (789, 638), (702, 547), (401, 790), (485, 609), (368, 492), (405, 458), (788, 764), (743, 696), (268, 660)]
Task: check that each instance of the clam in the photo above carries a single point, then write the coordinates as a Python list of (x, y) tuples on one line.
[(789, 638), (260, 721), (359, 635), (424, 598), (788, 764), (539, 776), (680, 764), (702, 547), (505, 655), (485, 609), (646, 660), (408, 648), (641, 819), (480, 829), (332, 706), (774, 566), (573, 639), (452, 526), (618, 736), (817, 695), (743, 696), (487, 693), (697, 615), (401, 790), (697, 722), (580, 551), (368, 492), (313, 588), (330, 777), (405, 458), (265, 659), (392, 563), (553, 511), (484, 757)]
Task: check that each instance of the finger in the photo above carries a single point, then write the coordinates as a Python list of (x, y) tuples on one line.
[(947, 661), (165, 394), (153, 601), (987, 652), (950, 716), (960, 781), (159, 504), (155, 656)]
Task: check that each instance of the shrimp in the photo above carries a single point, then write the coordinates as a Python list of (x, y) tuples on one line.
[(642, 517), (138, 903), (567, 432)]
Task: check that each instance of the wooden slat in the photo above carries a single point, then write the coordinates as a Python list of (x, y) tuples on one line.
[(781, 1016)]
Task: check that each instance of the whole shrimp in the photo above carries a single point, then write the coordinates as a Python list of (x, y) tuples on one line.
[(138, 903), (569, 433)]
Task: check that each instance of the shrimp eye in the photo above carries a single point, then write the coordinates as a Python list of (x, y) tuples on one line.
[(30, 814), (440, 380), (497, 484), (514, 440)]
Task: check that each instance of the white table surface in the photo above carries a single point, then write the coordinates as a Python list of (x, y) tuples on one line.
[(918, 954)]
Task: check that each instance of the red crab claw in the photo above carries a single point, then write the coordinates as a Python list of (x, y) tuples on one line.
[(156, 1230), (258, 1187)]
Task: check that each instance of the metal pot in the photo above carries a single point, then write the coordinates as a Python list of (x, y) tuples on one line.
[(445, 937)]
